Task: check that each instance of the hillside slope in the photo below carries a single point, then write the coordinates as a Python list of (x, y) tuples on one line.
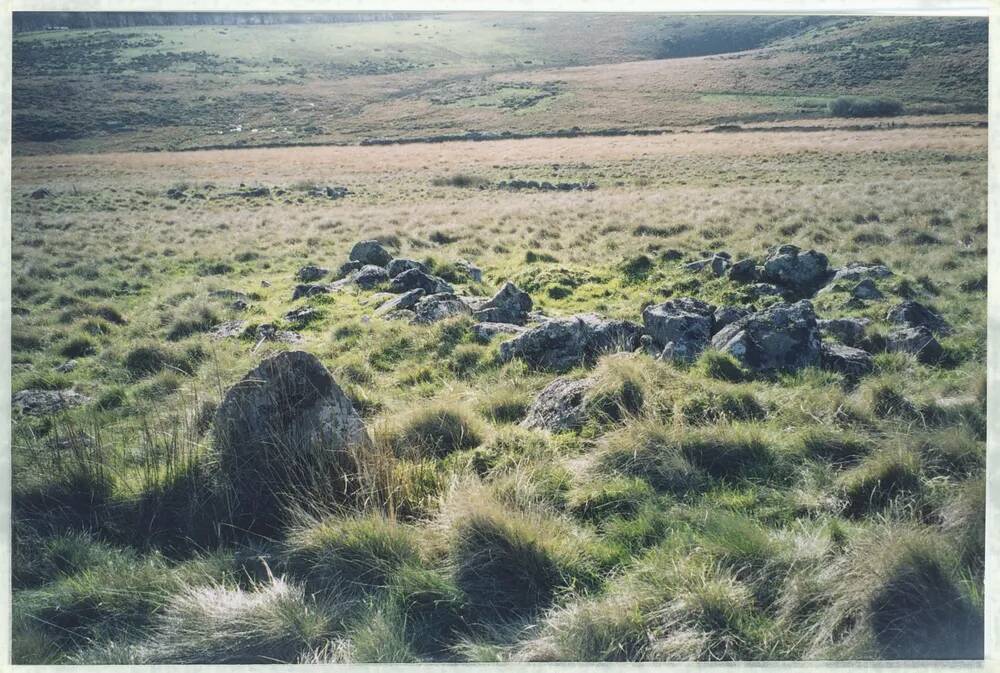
[(179, 87)]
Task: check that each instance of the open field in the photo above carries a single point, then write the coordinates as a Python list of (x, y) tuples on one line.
[(176, 87), (696, 511)]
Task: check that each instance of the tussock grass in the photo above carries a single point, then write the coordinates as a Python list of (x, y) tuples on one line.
[(895, 593), (356, 553), (883, 476), (273, 622), (434, 430)]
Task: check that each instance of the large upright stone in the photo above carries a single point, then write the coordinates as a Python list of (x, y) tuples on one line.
[(510, 305), (563, 343), (278, 428), (370, 252), (685, 325), (783, 337)]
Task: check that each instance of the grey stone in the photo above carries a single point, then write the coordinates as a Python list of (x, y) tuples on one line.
[(915, 314), (370, 252), (727, 315), (439, 306), (302, 315), (801, 272), (851, 362), (855, 271), (719, 265), (268, 332), (310, 273), (347, 268), (686, 323), (66, 367), (44, 402), (783, 337), (414, 278), (744, 271), (560, 406), (765, 290), (231, 329), (509, 305), (560, 344), (470, 269), (310, 290), (403, 301), (919, 341), (849, 331), (484, 332), (369, 277), (273, 424), (401, 264), (866, 290)]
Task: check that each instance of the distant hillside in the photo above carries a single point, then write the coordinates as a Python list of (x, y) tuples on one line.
[(32, 21), (339, 79)]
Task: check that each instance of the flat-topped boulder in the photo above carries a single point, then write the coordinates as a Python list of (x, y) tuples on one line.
[(401, 264), (509, 305), (801, 272), (783, 337), (851, 362), (683, 326), (560, 406), (439, 306), (44, 402), (484, 332), (415, 278), (310, 273), (560, 344), (370, 252), (400, 302)]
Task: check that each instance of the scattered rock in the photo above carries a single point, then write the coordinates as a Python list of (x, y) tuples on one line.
[(66, 367), (856, 271), (265, 283), (783, 337), (851, 362), (518, 185), (727, 315), (915, 314), (231, 329), (800, 272), (439, 306), (561, 406), (850, 331), (268, 332), (403, 301), (309, 273), (401, 314), (230, 295), (368, 277), (866, 290), (681, 326), (484, 332), (43, 402), (401, 264), (470, 269), (330, 192), (509, 305), (302, 315), (560, 344), (310, 290), (918, 340), (347, 268), (758, 290), (370, 252), (719, 265), (414, 278), (744, 271)]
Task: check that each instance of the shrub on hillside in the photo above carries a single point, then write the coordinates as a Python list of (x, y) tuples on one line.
[(856, 106)]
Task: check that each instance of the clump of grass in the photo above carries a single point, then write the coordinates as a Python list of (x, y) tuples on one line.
[(838, 447), (192, 318), (148, 359), (951, 452), (509, 563), (434, 430), (649, 450), (886, 400), (620, 390), (77, 347), (359, 553), (712, 406), (895, 593), (720, 366), (963, 517), (464, 180), (881, 477), (273, 622), (432, 608), (508, 404), (603, 499), (636, 269)]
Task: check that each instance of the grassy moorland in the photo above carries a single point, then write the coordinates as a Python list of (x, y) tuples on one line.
[(181, 87), (699, 512)]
